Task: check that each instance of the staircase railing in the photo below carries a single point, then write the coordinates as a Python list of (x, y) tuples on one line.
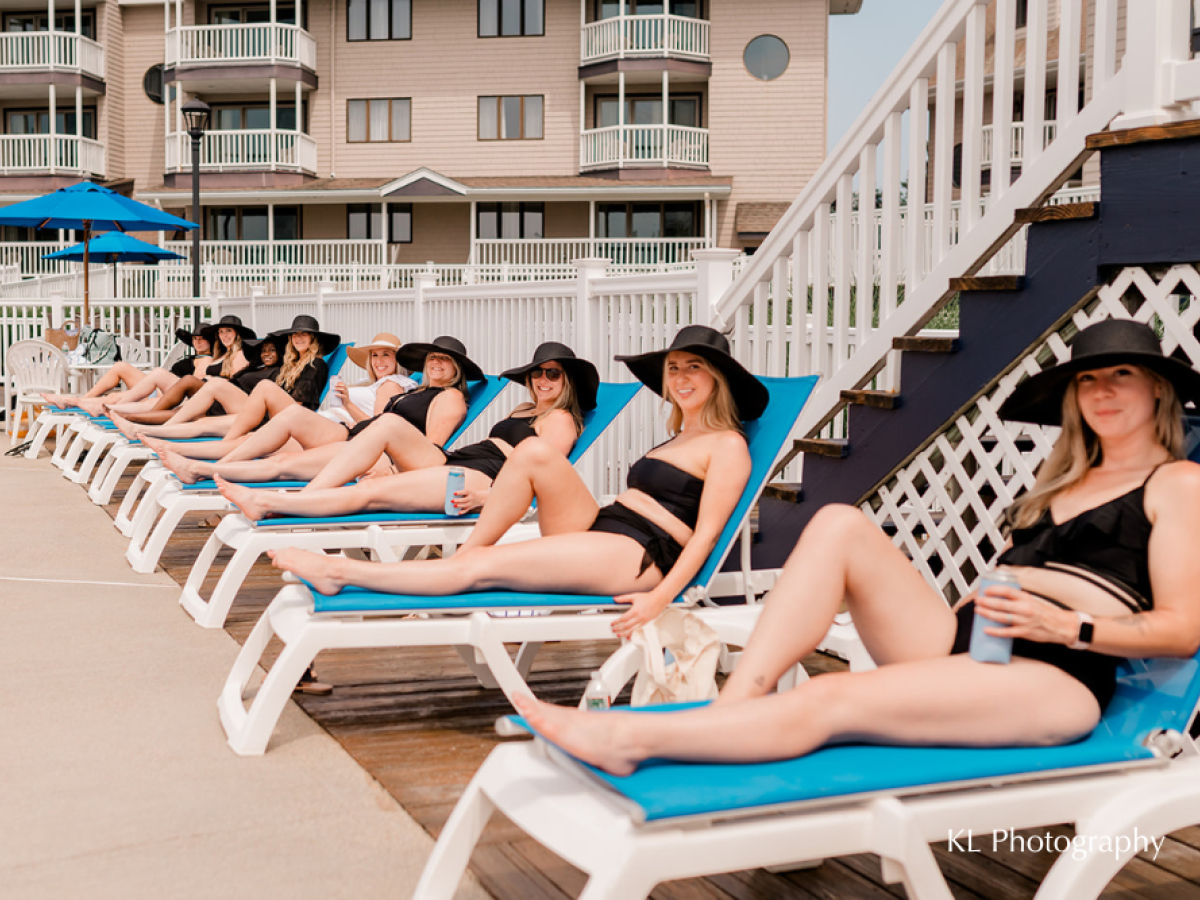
[(796, 309)]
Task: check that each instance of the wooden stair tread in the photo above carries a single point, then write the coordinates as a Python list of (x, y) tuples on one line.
[(783, 490), (918, 344), (877, 399), (1173, 131), (1061, 213), (835, 449), (988, 283)]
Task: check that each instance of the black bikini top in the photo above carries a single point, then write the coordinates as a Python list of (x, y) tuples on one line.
[(413, 407), (1109, 542), (676, 491), (513, 430)]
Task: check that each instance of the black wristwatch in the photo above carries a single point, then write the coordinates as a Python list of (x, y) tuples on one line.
[(1086, 629)]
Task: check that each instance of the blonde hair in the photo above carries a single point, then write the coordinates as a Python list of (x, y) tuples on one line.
[(294, 362), (1078, 449), (719, 412), (567, 399), (371, 369), (460, 377), (230, 354)]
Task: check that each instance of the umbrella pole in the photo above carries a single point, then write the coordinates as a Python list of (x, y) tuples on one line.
[(87, 236)]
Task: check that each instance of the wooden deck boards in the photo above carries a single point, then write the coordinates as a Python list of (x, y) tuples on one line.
[(420, 724)]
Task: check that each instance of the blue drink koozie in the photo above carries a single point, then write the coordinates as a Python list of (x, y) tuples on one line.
[(988, 647), (454, 483)]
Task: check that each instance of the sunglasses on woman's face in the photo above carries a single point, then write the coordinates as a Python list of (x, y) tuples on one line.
[(548, 374)]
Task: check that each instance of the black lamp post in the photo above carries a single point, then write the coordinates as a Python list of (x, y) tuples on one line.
[(195, 113)]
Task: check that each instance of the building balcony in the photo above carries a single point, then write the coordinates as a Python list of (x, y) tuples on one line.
[(38, 53), (639, 253), (1016, 141), (643, 146), (44, 154), (644, 37), (213, 46), (258, 150)]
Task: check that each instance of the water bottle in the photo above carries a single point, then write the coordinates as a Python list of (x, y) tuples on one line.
[(988, 647), (595, 698), (454, 483)]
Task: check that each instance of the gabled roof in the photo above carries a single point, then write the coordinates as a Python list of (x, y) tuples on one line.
[(422, 182)]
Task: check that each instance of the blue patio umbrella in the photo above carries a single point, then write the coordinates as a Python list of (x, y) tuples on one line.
[(90, 207), (114, 247)]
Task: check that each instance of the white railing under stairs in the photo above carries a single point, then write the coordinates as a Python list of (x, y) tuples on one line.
[(795, 308)]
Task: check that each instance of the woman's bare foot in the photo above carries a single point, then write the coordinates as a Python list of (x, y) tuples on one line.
[(604, 740), (91, 405), (58, 401), (254, 503), (322, 572), (127, 428), (189, 471)]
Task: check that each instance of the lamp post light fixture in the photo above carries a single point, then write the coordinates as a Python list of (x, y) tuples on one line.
[(195, 113)]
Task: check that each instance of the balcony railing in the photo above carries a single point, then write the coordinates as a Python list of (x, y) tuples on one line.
[(628, 146), (639, 252), (1017, 142), (51, 51), (292, 253), (41, 154), (206, 45), (252, 149), (624, 37)]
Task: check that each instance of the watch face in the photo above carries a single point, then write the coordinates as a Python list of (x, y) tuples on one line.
[(1085, 632)]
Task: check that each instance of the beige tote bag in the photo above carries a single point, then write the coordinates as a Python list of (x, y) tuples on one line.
[(691, 674)]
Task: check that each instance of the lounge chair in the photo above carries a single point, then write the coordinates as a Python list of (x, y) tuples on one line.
[(1136, 775), (384, 533), (31, 368), (476, 623), (167, 499)]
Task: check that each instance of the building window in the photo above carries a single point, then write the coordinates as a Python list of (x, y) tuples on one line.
[(610, 9), (364, 221), (510, 118), (647, 110), (648, 220), (378, 120), (400, 218), (252, 223), (512, 18), (29, 21), (766, 57), (37, 121), (379, 20), (255, 14), (253, 117), (510, 221)]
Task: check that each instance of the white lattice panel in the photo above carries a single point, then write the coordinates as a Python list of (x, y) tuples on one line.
[(946, 504)]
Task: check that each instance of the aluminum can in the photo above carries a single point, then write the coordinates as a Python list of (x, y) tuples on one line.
[(454, 483), (985, 647)]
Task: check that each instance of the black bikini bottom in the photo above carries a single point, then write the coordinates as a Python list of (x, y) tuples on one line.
[(483, 457), (1095, 671), (661, 549)]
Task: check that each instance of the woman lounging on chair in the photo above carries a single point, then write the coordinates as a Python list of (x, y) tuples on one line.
[(139, 385), (561, 387), (1102, 545), (296, 427), (301, 379), (428, 415), (646, 547)]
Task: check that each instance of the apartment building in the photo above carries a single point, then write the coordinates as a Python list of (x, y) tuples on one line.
[(406, 131)]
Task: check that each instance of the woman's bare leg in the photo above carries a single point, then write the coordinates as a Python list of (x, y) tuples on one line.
[(212, 426), (120, 373), (300, 466), (589, 562), (170, 398), (267, 399), (534, 469), (949, 700), (398, 438), (293, 423), (215, 390), (422, 490), (842, 556)]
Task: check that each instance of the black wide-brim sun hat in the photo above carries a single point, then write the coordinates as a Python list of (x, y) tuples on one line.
[(412, 356), (1112, 342), (252, 350), (203, 329), (235, 322), (750, 394), (327, 342), (582, 373)]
